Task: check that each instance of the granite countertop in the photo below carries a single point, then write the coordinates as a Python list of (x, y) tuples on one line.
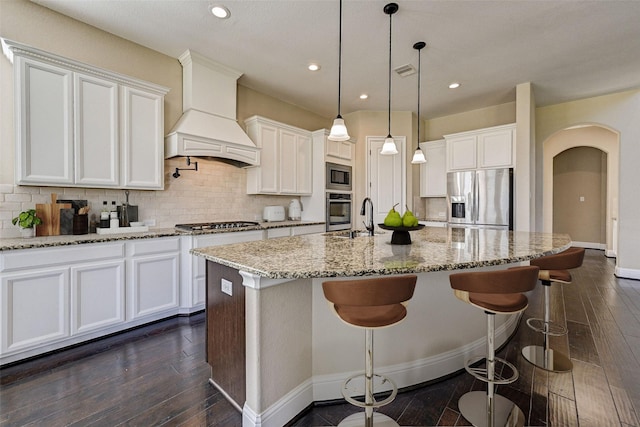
[(7, 244), (432, 249)]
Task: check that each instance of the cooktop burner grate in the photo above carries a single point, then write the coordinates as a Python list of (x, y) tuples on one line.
[(216, 225)]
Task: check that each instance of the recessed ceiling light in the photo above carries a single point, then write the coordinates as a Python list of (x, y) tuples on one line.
[(454, 85), (313, 67), (220, 11), (364, 96)]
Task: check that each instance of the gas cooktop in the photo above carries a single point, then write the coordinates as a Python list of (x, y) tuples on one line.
[(216, 225)]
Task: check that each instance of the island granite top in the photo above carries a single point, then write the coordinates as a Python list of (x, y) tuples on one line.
[(432, 249)]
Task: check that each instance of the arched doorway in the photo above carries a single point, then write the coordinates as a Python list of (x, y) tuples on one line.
[(573, 165)]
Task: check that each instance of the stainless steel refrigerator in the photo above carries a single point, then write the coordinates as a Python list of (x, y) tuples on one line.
[(481, 198)]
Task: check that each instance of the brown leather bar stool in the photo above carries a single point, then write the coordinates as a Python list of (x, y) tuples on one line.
[(369, 304), (553, 269), (495, 292)]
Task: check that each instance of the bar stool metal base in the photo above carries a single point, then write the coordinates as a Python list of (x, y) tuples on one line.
[(359, 420), (548, 327), (473, 406), (549, 360)]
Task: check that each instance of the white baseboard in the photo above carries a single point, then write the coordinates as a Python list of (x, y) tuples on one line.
[(627, 273), (590, 245), (327, 387)]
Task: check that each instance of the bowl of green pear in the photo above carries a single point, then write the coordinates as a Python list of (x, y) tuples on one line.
[(401, 225)]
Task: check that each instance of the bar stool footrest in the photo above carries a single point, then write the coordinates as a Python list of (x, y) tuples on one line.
[(547, 328), (481, 374), (349, 393)]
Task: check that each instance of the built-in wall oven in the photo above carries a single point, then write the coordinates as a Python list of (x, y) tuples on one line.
[(338, 211), (338, 177)]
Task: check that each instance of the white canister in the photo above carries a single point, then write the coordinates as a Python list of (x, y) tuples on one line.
[(295, 210)]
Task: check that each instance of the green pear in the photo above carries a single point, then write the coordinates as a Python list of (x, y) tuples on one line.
[(409, 219), (393, 218)]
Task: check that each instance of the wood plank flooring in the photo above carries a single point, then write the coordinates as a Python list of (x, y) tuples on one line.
[(157, 375)]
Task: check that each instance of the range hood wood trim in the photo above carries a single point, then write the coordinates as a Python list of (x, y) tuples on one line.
[(180, 144)]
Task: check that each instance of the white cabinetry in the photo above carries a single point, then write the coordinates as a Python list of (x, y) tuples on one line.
[(342, 150), (285, 159), (153, 276), (433, 174), (481, 149), (298, 230), (77, 124), (52, 297)]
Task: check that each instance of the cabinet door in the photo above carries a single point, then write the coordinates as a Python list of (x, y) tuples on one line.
[(461, 153), (433, 174), (296, 160), (97, 296), (495, 148), (304, 165), (44, 132), (288, 161), (96, 131), (142, 139), (267, 173), (35, 309), (152, 285)]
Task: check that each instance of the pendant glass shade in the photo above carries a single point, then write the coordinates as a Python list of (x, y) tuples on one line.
[(338, 130), (389, 147), (418, 157)]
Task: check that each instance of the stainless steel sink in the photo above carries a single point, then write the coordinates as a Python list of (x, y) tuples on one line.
[(351, 234)]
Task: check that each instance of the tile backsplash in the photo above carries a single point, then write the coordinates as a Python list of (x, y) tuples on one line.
[(216, 192)]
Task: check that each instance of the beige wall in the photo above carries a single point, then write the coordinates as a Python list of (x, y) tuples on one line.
[(476, 119), (617, 112), (216, 192), (579, 197)]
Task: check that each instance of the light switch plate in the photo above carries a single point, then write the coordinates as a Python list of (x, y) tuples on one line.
[(226, 287)]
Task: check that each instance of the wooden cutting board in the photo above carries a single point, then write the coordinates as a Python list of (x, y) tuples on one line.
[(49, 213)]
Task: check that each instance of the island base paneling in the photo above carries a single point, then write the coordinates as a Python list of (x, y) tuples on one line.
[(226, 352)]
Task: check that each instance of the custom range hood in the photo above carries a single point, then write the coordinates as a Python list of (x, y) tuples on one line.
[(208, 126)]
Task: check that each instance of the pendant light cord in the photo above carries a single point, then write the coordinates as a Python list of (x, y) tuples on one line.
[(389, 117), (419, 62), (340, 61)]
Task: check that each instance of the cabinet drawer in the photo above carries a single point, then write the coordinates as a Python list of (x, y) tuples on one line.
[(154, 246), (44, 257), (278, 232)]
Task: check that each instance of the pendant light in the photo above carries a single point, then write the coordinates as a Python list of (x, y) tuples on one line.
[(389, 146), (339, 130), (418, 155)]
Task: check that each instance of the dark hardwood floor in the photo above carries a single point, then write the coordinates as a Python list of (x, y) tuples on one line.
[(156, 375)]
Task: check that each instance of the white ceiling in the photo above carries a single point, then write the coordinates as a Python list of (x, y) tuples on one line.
[(568, 49)]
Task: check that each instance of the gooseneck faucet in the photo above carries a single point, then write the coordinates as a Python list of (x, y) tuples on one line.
[(370, 226)]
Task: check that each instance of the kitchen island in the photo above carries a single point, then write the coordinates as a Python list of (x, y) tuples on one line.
[(274, 346)]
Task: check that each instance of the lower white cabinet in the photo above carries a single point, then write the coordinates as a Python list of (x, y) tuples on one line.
[(35, 309), (54, 297), (97, 296), (153, 277)]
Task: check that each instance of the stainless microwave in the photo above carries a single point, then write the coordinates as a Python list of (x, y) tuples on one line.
[(339, 177)]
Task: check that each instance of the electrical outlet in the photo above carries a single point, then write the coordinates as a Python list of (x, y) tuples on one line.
[(226, 288)]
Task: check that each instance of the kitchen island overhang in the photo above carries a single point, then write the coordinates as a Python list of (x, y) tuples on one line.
[(297, 352)]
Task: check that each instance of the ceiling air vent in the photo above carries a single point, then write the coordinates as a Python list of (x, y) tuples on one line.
[(405, 70)]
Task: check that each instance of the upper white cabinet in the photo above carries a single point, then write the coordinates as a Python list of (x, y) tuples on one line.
[(81, 126), (433, 174), (481, 149), (285, 158), (342, 150)]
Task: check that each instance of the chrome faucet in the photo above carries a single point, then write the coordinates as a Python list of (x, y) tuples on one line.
[(369, 227)]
